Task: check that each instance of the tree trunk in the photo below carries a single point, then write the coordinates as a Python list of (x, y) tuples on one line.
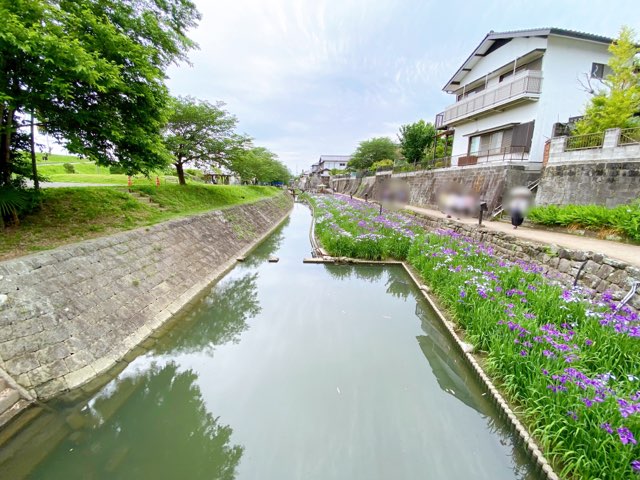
[(180, 171), (34, 167), (5, 145)]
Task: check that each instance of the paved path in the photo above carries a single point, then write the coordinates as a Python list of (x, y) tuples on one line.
[(621, 251)]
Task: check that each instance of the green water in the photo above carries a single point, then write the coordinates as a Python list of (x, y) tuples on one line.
[(287, 371)]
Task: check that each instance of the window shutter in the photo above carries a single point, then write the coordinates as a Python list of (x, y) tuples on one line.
[(506, 140), (521, 137)]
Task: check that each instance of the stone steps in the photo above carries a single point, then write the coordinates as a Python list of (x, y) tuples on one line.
[(146, 200)]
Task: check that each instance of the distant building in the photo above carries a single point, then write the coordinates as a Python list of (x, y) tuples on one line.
[(331, 162), (514, 87)]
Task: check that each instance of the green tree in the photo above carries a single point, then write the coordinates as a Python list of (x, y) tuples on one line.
[(259, 165), (201, 134), (371, 151), (95, 70), (415, 139), (616, 104)]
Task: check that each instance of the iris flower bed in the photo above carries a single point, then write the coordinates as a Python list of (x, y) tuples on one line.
[(567, 359)]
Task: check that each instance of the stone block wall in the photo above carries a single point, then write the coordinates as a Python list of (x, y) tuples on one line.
[(488, 182), (70, 314), (599, 273), (604, 182)]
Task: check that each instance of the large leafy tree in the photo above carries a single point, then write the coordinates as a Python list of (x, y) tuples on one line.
[(259, 165), (615, 105), (415, 139), (371, 151), (93, 71), (201, 134)]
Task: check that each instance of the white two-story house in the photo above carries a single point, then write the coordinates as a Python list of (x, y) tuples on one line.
[(514, 88)]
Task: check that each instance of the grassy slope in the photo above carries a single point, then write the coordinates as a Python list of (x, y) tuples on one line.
[(56, 158), (73, 214), (87, 172)]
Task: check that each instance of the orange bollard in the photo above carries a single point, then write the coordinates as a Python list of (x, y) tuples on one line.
[(129, 182), (157, 181)]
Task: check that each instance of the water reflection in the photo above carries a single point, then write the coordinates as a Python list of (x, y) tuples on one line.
[(457, 380), (368, 273), (398, 284), (220, 318), (267, 248), (453, 377), (316, 372), (122, 437)]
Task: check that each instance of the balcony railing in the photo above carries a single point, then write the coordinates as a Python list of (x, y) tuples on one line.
[(502, 155), (526, 84)]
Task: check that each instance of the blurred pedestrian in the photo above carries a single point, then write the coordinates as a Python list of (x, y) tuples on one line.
[(518, 204)]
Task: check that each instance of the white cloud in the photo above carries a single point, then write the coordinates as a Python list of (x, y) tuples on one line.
[(307, 77)]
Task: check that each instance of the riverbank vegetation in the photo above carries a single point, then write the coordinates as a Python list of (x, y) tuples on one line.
[(623, 220), (567, 359), (67, 215), (92, 75)]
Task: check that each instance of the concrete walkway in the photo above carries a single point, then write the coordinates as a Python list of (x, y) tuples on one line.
[(621, 251)]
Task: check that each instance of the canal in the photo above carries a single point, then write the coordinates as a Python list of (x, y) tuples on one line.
[(285, 371)]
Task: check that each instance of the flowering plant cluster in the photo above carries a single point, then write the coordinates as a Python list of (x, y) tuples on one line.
[(351, 228), (568, 360)]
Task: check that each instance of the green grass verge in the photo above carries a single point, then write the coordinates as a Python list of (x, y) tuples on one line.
[(57, 158), (115, 179), (198, 198), (623, 219), (73, 214), (86, 168)]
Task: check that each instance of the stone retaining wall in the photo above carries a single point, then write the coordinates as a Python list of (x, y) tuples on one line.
[(422, 188), (599, 273), (604, 182), (70, 314)]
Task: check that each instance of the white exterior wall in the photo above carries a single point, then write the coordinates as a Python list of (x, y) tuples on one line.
[(564, 63), (523, 113), (503, 55)]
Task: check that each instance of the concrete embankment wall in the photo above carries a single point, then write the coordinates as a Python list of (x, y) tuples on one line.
[(422, 188), (599, 272), (70, 314)]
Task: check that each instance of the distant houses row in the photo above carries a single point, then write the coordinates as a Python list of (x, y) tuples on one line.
[(514, 92)]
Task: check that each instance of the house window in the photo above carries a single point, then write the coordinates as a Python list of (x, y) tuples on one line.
[(474, 144), (597, 70), (493, 143)]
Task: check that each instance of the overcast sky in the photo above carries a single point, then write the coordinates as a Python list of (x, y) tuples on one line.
[(312, 77)]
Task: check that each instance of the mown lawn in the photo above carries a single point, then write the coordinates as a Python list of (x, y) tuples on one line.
[(69, 215)]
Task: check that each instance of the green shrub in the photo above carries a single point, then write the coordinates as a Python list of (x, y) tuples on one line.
[(69, 168), (623, 219)]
